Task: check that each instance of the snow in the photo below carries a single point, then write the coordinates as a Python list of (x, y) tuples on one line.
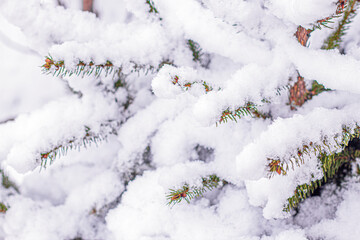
[(343, 225), (156, 132), (302, 12)]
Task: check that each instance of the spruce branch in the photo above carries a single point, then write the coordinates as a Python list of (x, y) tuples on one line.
[(316, 89), (186, 85), (249, 109), (195, 49), (152, 8), (198, 56), (298, 92), (329, 157), (276, 166), (341, 5), (330, 165), (187, 192), (3, 208), (302, 34), (340, 141), (47, 157), (7, 183), (334, 40), (57, 68)]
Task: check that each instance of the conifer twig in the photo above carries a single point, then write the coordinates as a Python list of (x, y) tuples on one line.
[(152, 7), (249, 109), (197, 53), (187, 193), (61, 149), (341, 5), (329, 158), (334, 40), (3, 208), (330, 165), (58, 68), (187, 85)]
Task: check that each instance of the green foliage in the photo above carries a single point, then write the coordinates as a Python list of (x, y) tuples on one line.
[(330, 163), (186, 86), (341, 5), (60, 150), (120, 83), (7, 183), (326, 21), (316, 89), (195, 49), (334, 40), (330, 160), (151, 6), (57, 68), (198, 56), (3, 208), (187, 193), (249, 109)]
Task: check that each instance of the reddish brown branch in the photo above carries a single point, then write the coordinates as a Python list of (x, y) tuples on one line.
[(88, 5)]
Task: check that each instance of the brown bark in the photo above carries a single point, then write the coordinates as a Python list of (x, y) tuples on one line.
[(302, 35), (88, 5), (298, 93)]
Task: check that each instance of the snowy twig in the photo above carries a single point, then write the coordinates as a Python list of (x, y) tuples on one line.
[(187, 193)]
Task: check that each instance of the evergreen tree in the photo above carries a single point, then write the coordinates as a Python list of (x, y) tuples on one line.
[(239, 108)]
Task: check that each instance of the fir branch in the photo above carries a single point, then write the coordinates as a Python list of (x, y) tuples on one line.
[(330, 165), (302, 34), (276, 166), (195, 49), (187, 85), (187, 193), (334, 40), (249, 109), (7, 183), (340, 141), (316, 89), (198, 56), (47, 157), (57, 68), (341, 5), (3, 208), (329, 158), (152, 7)]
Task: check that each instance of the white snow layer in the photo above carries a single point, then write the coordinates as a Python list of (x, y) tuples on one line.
[(167, 132)]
